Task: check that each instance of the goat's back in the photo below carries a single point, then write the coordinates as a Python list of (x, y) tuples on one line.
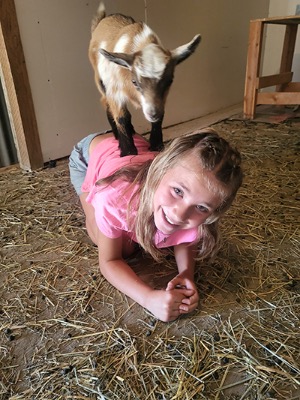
[(120, 33)]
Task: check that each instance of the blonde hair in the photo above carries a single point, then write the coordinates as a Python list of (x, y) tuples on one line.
[(215, 155)]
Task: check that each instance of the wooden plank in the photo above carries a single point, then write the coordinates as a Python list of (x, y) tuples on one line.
[(17, 89), (12, 105), (291, 19), (252, 68), (292, 87), (288, 48), (279, 98), (272, 80), (288, 51)]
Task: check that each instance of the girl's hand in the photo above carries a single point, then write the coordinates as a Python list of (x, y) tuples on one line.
[(189, 302), (167, 305)]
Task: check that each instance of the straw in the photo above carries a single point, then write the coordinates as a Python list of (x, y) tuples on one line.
[(66, 333)]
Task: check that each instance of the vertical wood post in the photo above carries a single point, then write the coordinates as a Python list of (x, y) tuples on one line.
[(17, 91), (253, 67)]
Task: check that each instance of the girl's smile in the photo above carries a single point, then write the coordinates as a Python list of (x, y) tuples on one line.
[(183, 198)]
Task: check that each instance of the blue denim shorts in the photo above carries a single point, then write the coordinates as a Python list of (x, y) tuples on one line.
[(78, 161)]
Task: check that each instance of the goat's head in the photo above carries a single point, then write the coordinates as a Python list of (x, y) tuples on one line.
[(152, 72)]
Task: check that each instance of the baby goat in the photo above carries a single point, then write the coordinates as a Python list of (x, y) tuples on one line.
[(131, 65)]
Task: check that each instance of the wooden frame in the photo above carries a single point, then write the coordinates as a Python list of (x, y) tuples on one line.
[(287, 92), (17, 90)]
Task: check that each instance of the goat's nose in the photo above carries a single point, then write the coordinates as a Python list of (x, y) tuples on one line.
[(153, 114)]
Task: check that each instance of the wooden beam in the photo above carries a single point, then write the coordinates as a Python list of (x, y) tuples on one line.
[(253, 67), (278, 98), (17, 90), (288, 51), (292, 87), (290, 20), (272, 80)]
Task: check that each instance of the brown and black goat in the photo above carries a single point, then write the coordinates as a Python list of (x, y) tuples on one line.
[(132, 66)]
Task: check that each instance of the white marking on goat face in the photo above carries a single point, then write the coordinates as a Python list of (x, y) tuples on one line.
[(121, 44), (150, 110), (146, 35), (153, 70), (153, 103), (154, 94), (151, 62)]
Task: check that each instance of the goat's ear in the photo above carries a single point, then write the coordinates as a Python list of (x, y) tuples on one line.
[(183, 52), (122, 59)]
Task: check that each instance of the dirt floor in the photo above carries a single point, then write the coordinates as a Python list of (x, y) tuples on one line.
[(66, 333)]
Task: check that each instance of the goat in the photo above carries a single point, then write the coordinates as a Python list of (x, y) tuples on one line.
[(132, 66)]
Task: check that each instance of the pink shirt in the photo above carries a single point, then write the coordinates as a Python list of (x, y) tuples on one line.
[(111, 201)]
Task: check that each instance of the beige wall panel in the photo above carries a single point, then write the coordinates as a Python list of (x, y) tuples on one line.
[(55, 36)]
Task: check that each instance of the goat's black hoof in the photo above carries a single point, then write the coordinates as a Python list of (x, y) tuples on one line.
[(130, 152), (158, 147)]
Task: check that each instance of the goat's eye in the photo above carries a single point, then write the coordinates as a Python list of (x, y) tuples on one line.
[(135, 83)]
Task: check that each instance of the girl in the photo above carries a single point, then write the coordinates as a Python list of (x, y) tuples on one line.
[(171, 199)]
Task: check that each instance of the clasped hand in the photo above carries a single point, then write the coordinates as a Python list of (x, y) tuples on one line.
[(179, 297)]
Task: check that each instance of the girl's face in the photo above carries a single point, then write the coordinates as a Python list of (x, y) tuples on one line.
[(183, 198)]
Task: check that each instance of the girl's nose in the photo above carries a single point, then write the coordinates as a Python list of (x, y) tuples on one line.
[(182, 214)]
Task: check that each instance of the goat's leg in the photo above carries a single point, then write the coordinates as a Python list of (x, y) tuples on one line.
[(112, 123), (156, 137), (126, 132), (122, 128), (120, 120)]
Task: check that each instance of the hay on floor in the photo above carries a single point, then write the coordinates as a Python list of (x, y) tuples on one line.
[(65, 333)]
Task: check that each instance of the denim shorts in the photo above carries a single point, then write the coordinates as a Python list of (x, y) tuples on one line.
[(78, 161)]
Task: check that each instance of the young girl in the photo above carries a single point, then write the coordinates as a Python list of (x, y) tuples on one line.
[(157, 200)]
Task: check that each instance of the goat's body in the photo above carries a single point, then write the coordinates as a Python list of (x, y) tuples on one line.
[(123, 53)]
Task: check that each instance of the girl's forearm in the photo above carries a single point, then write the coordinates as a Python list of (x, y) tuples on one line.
[(185, 259), (119, 274), (163, 304)]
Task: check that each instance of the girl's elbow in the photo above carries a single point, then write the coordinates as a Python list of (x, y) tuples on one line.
[(103, 267), (106, 268), (91, 232)]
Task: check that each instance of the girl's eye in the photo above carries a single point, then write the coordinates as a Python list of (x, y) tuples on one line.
[(178, 191), (202, 209)]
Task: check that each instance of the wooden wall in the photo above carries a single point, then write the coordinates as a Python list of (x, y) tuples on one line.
[(54, 84)]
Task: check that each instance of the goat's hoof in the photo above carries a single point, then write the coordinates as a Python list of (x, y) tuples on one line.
[(132, 152), (158, 147)]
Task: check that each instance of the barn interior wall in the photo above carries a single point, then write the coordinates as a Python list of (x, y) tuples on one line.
[(55, 36)]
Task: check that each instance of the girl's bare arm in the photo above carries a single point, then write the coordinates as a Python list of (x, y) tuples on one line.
[(185, 259), (165, 305)]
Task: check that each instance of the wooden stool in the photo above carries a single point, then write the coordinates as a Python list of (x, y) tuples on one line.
[(287, 92)]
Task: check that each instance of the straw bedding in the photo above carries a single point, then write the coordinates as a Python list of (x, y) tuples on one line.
[(65, 333)]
